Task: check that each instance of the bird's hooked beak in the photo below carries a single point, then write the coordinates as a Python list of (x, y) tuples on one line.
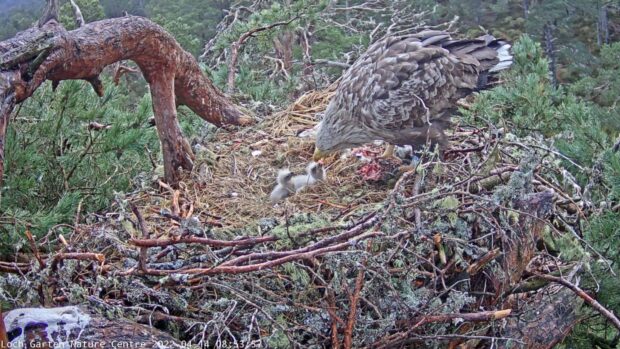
[(318, 154)]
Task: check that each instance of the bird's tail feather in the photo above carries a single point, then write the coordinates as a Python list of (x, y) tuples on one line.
[(504, 56)]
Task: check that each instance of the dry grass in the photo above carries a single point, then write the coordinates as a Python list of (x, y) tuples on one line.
[(232, 180)]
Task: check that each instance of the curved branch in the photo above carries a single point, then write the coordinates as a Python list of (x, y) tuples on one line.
[(586, 297), (172, 73), (77, 14)]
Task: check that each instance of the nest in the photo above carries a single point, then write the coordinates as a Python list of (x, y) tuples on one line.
[(379, 263), (234, 176)]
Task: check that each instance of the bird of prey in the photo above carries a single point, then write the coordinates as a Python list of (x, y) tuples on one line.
[(314, 173), (403, 90)]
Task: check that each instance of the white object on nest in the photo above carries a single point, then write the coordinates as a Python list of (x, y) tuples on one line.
[(314, 173), (284, 188), (60, 324), (311, 132)]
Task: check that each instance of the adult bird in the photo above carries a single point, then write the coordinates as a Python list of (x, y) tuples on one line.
[(403, 90)]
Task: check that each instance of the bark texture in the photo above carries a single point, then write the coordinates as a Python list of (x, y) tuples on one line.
[(52, 53), (546, 319)]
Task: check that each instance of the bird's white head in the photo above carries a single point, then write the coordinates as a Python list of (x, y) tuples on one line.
[(337, 132), (284, 177), (316, 171)]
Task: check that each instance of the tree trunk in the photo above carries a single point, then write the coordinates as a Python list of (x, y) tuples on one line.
[(52, 53), (602, 26), (550, 52)]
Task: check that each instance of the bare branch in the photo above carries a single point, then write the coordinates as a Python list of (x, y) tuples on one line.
[(586, 297), (50, 13), (77, 14), (236, 46)]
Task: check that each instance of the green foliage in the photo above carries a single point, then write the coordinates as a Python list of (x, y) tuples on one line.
[(583, 125), (18, 15), (602, 87), (527, 100), (54, 161), (191, 22), (117, 8), (91, 11), (257, 75)]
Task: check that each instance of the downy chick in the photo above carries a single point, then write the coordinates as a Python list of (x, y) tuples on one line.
[(284, 188), (314, 173)]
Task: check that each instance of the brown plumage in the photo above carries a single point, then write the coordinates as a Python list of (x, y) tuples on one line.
[(403, 90)]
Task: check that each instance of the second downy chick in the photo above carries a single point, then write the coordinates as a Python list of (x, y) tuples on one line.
[(314, 173), (284, 188)]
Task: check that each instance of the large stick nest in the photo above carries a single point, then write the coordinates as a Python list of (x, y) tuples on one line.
[(410, 252)]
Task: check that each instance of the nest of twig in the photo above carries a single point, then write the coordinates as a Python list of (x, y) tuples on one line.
[(373, 264), (237, 171)]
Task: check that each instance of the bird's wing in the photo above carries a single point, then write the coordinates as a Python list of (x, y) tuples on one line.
[(405, 83)]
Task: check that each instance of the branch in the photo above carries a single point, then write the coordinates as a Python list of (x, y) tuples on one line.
[(225, 269), (482, 316), (77, 14), (586, 297), (51, 12), (332, 63), (145, 235), (173, 74), (205, 241), (120, 71), (236, 46), (354, 299)]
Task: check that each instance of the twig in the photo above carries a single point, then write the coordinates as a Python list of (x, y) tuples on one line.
[(354, 300), (235, 46), (35, 250), (473, 317), (205, 241), (145, 235), (583, 295), (79, 19)]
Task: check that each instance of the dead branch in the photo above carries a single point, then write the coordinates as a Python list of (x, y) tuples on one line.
[(121, 70), (483, 316), (396, 339), (344, 236), (81, 256), (477, 266), (236, 46), (204, 241), (347, 342), (145, 235), (226, 269), (331, 309), (34, 249), (583, 295), (14, 268), (77, 14)]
